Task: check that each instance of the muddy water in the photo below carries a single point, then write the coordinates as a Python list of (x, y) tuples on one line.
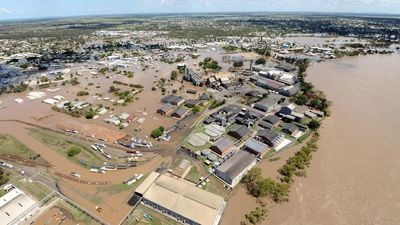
[(355, 176)]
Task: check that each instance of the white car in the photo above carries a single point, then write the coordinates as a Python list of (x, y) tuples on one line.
[(75, 174)]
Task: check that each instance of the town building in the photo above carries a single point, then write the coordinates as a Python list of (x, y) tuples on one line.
[(173, 100), (233, 169), (290, 113), (272, 119), (266, 105), (290, 128), (240, 132), (256, 147), (180, 200), (165, 109), (222, 146), (14, 204), (192, 103), (270, 137), (180, 113)]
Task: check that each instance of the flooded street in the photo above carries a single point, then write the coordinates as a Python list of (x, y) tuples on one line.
[(354, 178)]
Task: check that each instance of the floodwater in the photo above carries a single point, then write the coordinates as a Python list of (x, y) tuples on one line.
[(354, 177)]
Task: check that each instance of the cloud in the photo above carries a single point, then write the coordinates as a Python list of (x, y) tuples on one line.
[(4, 11)]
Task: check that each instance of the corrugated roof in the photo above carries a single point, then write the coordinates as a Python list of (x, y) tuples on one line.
[(185, 199), (223, 144), (237, 163), (256, 145), (147, 182)]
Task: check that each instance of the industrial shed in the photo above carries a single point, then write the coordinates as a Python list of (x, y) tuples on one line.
[(222, 146), (236, 167), (181, 200), (240, 132)]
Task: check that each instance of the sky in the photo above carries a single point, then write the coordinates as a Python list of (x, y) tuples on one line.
[(20, 9)]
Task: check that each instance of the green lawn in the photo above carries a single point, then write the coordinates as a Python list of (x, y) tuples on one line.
[(11, 146), (217, 187), (304, 137), (36, 189), (193, 175), (62, 145), (118, 188), (137, 217)]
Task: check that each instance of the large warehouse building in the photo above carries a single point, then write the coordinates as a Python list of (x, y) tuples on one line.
[(181, 200), (236, 167)]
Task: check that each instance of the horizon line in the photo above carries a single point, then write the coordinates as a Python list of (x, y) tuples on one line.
[(38, 18)]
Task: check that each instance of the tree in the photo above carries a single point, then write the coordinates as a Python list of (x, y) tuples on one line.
[(196, 108), (43, 79), (82, 93), (90, 114), (73, 151), (161, 128), (314, 124), (300, 99), (174, 74), (156, 133), (3, 177), (260, 61), (256, 216)]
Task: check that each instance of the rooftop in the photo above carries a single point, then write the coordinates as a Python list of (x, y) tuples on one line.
[(237, 163), (183, 198)]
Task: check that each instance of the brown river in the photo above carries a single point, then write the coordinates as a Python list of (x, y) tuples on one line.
[(354, 178)]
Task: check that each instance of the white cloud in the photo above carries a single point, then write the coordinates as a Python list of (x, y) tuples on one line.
[(4, 11)]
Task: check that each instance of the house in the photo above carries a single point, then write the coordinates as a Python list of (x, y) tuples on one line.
[(273, 120), (239, 132), (266, 105), (180, 113), (205, 97), (290, 128), (256, 147), (289, 112), (270, 137), (287, 109), (173, 99), (222, 146), (192, 103), (289, 90), (180, 200), (233, 169), (265, 125), (165, 109)]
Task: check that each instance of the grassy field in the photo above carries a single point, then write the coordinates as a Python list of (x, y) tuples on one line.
[(78, 216), (118, 188), (137, 217), (36, 189), (217, 187), (62, 145), (11, 146), (193, 175)]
